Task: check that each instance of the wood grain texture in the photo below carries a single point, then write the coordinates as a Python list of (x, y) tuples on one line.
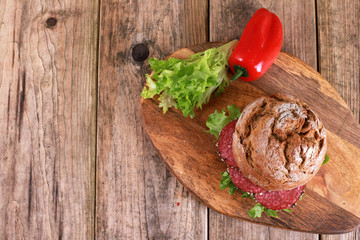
[(331, 205), (339, 53), (227, 21), (47, 119), (137, 197), (223, 227), (48, 105), (352, 235)]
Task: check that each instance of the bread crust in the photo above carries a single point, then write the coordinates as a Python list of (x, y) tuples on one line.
[(279, 143)]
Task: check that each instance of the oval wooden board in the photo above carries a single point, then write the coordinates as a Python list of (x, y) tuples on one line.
[(332, 202)]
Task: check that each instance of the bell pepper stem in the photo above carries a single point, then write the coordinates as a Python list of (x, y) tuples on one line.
[(239, 72)]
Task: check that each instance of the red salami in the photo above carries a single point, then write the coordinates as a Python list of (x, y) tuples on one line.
[(225, 143), (242, 182), (277, 200)]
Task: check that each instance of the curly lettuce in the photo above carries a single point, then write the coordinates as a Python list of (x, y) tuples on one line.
[(189, 83), (218, 120)]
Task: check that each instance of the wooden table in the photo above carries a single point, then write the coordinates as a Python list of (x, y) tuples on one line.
[(75, 163)]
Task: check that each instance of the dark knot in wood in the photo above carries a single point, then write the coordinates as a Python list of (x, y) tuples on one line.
[(51, 22), (140, 52)]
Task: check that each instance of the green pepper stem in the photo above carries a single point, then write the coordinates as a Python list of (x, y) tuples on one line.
[(239, 72)]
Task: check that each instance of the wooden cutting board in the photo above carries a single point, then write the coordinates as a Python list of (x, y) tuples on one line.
[(332, 198)]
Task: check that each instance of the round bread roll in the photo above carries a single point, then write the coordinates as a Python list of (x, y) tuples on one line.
[(279, 143)]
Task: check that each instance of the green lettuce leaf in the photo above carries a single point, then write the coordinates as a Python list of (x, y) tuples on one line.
[(271, 213), (247, 195), (226, 182), (257, 210), (326, 160), (287, 210), (218, 120), (189, 83)]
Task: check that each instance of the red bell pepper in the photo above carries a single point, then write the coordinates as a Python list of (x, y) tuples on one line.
[(258, 47)]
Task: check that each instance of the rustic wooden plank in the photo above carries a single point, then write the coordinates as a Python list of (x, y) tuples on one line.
[(339, 52), (229, 229), (352, 235), (339, 49), (137, 197), (224, 227), (280, 234), (47, 125), (227, 21)]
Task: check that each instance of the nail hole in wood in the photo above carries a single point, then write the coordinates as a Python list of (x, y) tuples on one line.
[(140, 52), (51, 22)]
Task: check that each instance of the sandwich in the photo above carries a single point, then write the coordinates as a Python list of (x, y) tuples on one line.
[(272, 150)]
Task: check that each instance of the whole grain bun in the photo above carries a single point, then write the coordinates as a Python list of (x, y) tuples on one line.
[(279, 143)]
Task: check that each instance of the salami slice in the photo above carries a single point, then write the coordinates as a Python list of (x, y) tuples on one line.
[(225, 143), (242, 182), (277, 200)]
